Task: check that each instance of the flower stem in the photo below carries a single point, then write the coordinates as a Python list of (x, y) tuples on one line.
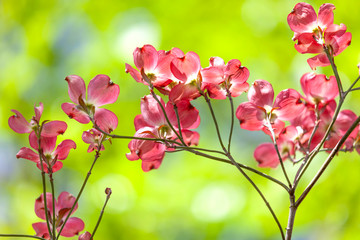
[(97, 155), (327, 162), (108, 193), (21, 235)]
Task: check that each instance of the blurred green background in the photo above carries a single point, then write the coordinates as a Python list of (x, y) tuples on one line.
[(188, 197)]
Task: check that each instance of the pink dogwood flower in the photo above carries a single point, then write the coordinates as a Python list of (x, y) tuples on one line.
[(49, 154), (94, 138), (63, 205), (151, 123), (101, 91), (186, 69), (154, 64), (315, 34), (318, 88), (265, 154), (19, 124), (219, 79), (260, 113)]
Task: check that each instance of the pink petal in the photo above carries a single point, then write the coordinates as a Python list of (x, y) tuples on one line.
[(188, 114), (146, 166), (212, 75), (66, 201), (217, 62), (18, 123), (183, 92), (237, 89), (91, 136), (302, 18), (74, 113), (250, 116), (106, 120), (261, 93), (288, 104), (53, 128), (47, 143), (151, 111), (76, 88), (139, 122), (191, 138), (319, 60), (217, 91), (146, 150), (318, 87), (85, 236), (72, 227), (41, 230), (63, 149), (186, 68), (134, 73), (236, 72), (102, 90), (326, 15), (27, 153), (265, 154), (146, 58), (56, 167), (344, 121), (307, 44), (38, 111), (40, 205), (163, 75)]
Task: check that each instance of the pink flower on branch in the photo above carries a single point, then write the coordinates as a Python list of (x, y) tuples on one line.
[(19, 124), (315, 34), (152, 123), (154, 64), (50, 155), (219, 78), (63, 205), (101, 91), (260, 113), (318, 88)]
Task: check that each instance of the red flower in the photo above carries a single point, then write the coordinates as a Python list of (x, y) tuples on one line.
[(63, 205), (316, 33), (152, 124), (49, 129), (318, 88), (219, 78), (49, 153), (260, 112), (101, 91)]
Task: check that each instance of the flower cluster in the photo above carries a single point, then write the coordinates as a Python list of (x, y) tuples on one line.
[(46, 134), (311, 115), (62, 207), (180, 77), (318, 34)]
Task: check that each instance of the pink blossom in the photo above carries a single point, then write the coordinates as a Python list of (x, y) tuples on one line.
[(63, 205), (94, 138), (219, 78), (19, 124), (153, 124), (314, 34), (49, 153), (101, 91), (260, 113), (265, 154), (154, 64), (318, 88)]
